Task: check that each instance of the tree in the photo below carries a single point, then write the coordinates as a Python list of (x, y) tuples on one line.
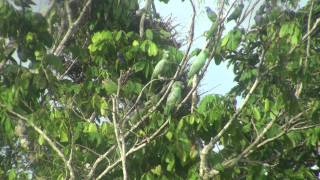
[(76, 101)]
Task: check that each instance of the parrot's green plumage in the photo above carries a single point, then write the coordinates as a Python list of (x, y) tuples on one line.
[(213, 30), (236, 12), (162, 66), (198, 63), (211, 14), (174, 96), (214, 19)]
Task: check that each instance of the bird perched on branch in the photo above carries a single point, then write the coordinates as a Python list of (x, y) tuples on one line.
[(174, 96), (211, 14), (162, 66), (214, 19), (198, 63), (236, 13)]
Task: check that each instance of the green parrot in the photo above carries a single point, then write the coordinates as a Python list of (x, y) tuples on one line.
[(211, 14), (236, 12), (174, 96), (198, 63), (162, 66), (195, 52), (213, 29)]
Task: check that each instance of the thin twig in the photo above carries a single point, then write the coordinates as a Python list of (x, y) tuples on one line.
[(68, 10), (305, 65)]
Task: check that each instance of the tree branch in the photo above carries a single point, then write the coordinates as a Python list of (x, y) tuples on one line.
[(146, 10), (135, 148), (72, 29), (305, 65), (119, 137)]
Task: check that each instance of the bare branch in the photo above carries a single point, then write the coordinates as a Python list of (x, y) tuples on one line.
[(68, 10), (146, 10), (194, 94), (72, 29), (119, 137), (305, 65)]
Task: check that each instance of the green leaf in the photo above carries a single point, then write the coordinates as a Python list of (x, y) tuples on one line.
[(169, 135), (170, 160), (103, 107), (110, 86), (256, 113), (219, 167), (119, 34), (296, 36), (149, 34), (90, 128), (157, 170), (135, 43), (54, 62), (153, 49), (266, 105), (102, 36), (225, 40), (193, 152), (286, 29), (246, 128), (63, 135), (41, 140), (12, 175), (139, 66)]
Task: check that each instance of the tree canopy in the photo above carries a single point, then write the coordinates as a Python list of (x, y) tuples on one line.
[(101, 89)]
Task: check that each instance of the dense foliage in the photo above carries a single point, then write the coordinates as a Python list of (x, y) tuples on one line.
[(100, 89)]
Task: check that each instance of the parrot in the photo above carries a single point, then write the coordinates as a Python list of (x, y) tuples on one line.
[(213, 29), (174, 96), (236, 12), (121, 58), (195, 52), (211, 14), (198, 63), (162, 66)]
